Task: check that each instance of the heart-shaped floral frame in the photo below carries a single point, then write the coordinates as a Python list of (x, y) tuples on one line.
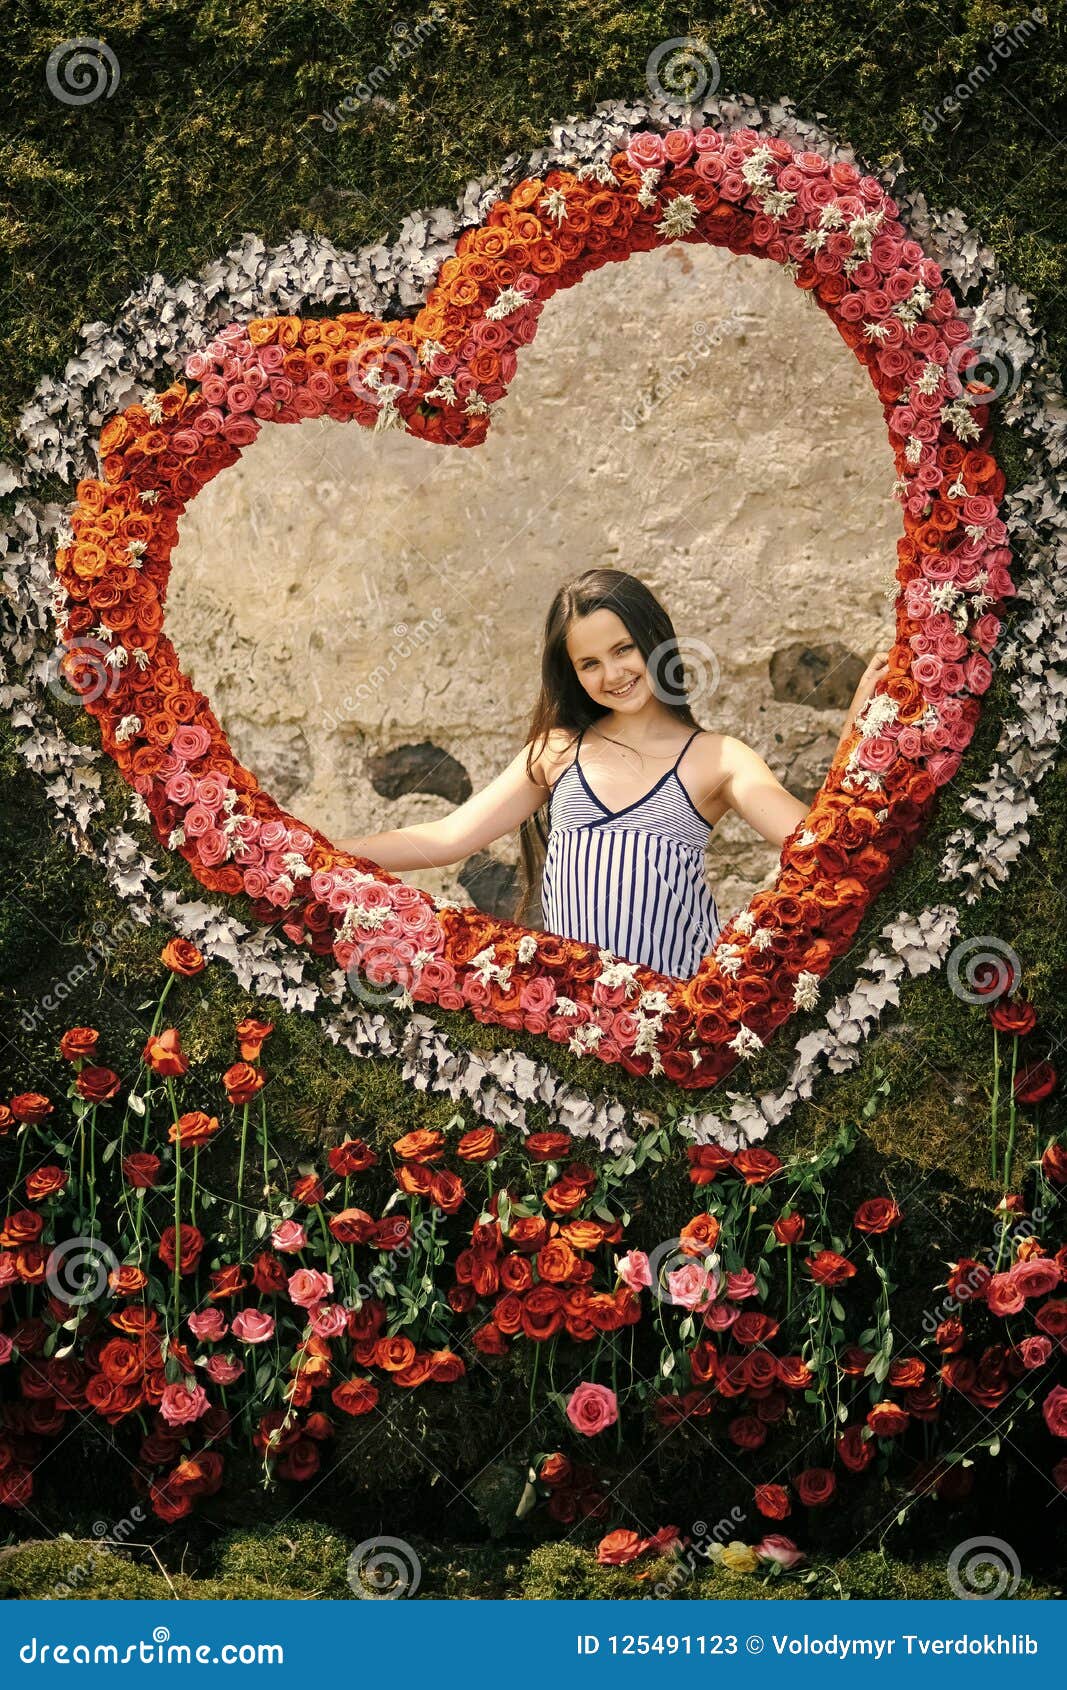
[(438, 375)]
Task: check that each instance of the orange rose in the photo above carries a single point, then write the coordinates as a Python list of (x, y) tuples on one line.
[(252, 1035), (242, 1082), (556, 1262), (193, 1129), (699, 1235), (164, 1055), (45, 1182), (423, 1145), (479, 1145), (182, 957), (31, 1106)]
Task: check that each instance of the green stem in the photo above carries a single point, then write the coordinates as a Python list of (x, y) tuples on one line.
[(192, 1190), (993, 1106), (177, 1276), (240, 1183), (1010, 1152), (157, 1018)]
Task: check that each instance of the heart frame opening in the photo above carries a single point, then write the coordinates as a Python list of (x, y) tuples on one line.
[(438, 374)]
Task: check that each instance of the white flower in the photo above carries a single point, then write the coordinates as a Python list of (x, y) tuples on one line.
[(429, 349), (507, 301), (555, 204), (139, 809), (876, 331), (176, 838), (764, 937), (746, 1043), (476, 406), (929, 380), (527, 948), (618, 973), (135, 551), (487, 969), (806, 990), (728, 957), (745, 922), (127, 728), (776, 202), (148, 495), (958, 490), (140, 657), (913, 449), (154, 406), (960, 419), (599, 169), (646, 193), (117, 657), (679, 218), (806, 837), (567, 1006), (445, 389), (584, 1039), (296, 865)]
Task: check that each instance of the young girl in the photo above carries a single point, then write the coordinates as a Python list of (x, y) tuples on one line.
[(632, 785)]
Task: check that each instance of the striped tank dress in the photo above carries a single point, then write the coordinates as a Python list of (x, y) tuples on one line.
[(632, 880)]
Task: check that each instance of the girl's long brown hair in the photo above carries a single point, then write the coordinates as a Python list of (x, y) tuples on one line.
[(564, 703)]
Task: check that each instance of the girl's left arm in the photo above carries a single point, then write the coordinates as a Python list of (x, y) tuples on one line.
[(756, 793)]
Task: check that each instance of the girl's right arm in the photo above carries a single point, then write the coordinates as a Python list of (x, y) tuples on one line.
[(497, 809)]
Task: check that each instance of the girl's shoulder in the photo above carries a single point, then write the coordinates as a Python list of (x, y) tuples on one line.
[(553, 757)]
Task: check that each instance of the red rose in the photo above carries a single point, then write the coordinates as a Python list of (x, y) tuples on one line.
[(789, 1229), (447, 1192), (1052, 1318), (193, 1129), (1054, 1164), (828, 1268), (352, 1226), (815, 1486), (772, 1501), (140, 1169), (308, 1190), (887, 1420), (30, 1106), (78, 1043), (747, 1432), (192, 1244), (226, 1282), (706, 1161), (351, 1157), (1035, 1083), (877, 1215), (547, 1147), (355, 1396), (757, 1166), (1015, 1016), (855, 1451), (97, 1085), (620, 1547)]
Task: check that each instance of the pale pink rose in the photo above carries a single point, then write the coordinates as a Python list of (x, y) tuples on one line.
[(255, 882), (693, 1287), (307, 1286), (774, 1547), (624, 1028), (289, 1237), (212, 847), (329, 1320), (253, 1326), (223, 1370), (181, 788), (197, 820), (190, 742), (910, 742), (181, 1404), (942, 765), (608, 997), (280, 892), (645, 151), (591, 1408), (879, 752), (633, 1269), (209, 1325), (678, 146)]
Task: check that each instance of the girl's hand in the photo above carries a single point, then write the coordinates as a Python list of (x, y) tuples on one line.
[(876, 669)]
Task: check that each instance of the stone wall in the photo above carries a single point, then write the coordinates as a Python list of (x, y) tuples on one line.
[(363, 608)]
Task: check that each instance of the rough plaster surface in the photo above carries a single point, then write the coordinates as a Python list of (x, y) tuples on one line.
[(688, 415)]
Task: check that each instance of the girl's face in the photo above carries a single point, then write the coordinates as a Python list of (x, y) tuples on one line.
[(608, 662)]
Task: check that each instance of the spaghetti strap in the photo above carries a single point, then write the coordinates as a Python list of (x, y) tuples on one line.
[(686, 746)]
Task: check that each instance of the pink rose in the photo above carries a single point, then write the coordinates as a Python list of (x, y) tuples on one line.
[(1034, 1352), (6, 1348), (1054, 1408), (634, 1270), (209, 1325), (878, 752), (1003, 1295), (781, 1549), (307, 1286), (252, 1326), (721, 1316), (329, 1320), (591, 1408), (693, 1287), (741, 1285), (289, 1237), (224, 1370), (645, 151), (181, 1404), (1037, 1277)]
